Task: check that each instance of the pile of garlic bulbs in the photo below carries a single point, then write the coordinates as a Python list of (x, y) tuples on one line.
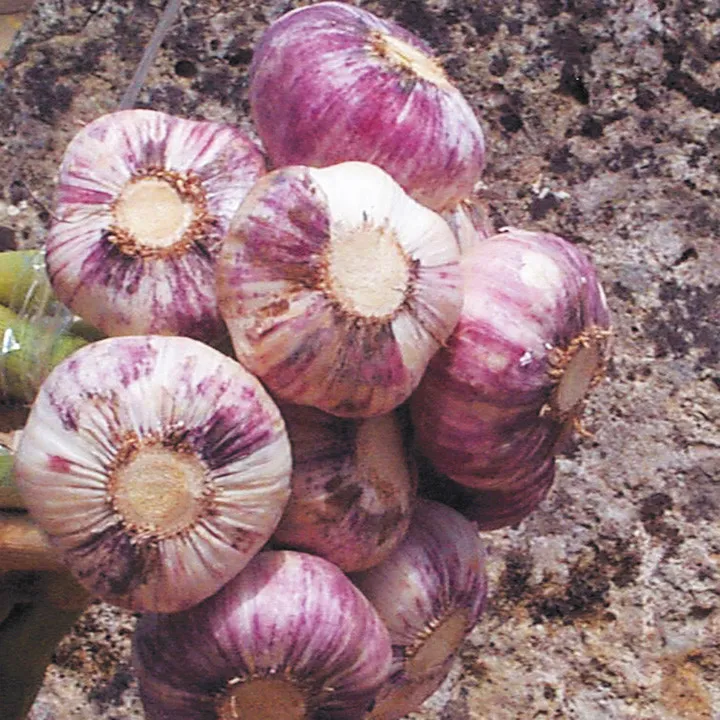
[(309, 345)]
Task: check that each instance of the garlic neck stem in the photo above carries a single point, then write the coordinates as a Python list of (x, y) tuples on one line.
[(159, 491), (409, 59), (576, 370), (439, 642), (367, 272), (17, 274), (166, 21)]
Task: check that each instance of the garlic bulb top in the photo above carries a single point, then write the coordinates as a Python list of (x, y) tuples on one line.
[(430, 592), (530, 298), (289, 638), (157, 466), (332, 82), (142, 205), (337, 288)]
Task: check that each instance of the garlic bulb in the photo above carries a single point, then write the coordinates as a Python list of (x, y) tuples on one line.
[(142, 205), (352, 489), (337, 288), (531, 343), (430, 593), (157, 466), (289, 638), (501, 501), (332, 82)]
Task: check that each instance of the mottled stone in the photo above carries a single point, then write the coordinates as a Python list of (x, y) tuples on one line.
[(603, 126)]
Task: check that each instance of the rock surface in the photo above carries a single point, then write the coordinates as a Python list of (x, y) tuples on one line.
[(603, 123)]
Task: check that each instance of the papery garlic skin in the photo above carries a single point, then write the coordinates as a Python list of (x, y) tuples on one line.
[(532, 341), (142, 205), (470, 222), (500, 501), (332, 82), (492, 509), (337, 288), (352, 487), (430, 592), (289, 638), (157, 466)]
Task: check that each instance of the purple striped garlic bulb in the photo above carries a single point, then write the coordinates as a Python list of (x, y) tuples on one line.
[(531, 343), (430, 593), (332, 82), (504, 500), (352, 487), (289, 638), (337, 287), (143, 202), (157, 466)]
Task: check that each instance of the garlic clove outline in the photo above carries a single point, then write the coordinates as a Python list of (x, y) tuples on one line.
[(353, 488), (532, 342), (430, 592), (157, 466), (337, 288), (142, 205), (331, 82), (289, 638)]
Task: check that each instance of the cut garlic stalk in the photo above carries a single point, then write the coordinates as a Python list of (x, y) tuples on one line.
[(470, 221), (332, 82), (143, 202), (289, 638), (430, 593), (352, 489), (157, 466), (337, 288), (531, 343)]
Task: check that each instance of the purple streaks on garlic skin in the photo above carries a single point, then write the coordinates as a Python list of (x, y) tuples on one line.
[(332, 83), (352, 489), (288, 616), (143, 203), (157, 466), (430, 592), (530, 343), (337, 288), (112, 564), (523, 292), (494, 509), (494, 503), (478, 454), (179, 284)]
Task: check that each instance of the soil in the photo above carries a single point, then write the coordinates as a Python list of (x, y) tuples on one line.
[(603, 126)]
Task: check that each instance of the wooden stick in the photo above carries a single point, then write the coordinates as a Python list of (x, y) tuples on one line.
[(23, 546)]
